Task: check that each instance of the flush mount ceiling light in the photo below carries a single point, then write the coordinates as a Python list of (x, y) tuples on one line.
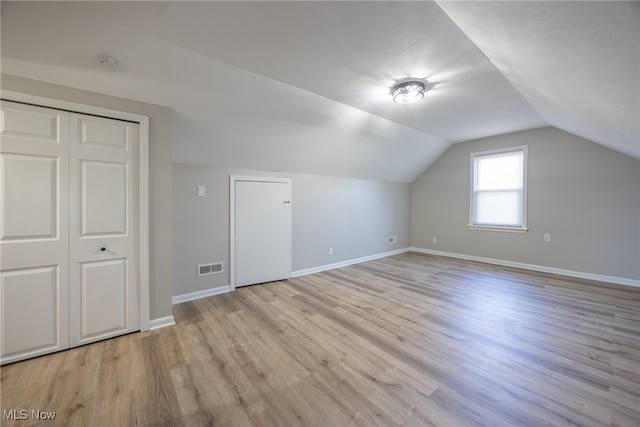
[(408, 92)]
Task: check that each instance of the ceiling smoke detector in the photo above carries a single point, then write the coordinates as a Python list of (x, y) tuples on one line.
[(107, 63), (408, 92)]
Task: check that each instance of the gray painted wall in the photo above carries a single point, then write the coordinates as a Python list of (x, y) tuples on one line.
[(354, 216), (586, 196), (159, 176)]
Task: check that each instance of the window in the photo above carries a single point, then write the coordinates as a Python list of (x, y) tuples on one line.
[(498, 189)]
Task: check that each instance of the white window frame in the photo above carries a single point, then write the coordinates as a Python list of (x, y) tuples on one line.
[(513, 229)]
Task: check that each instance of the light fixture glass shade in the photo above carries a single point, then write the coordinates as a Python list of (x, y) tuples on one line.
[(408, 92)]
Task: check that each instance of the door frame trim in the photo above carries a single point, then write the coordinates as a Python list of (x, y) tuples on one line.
[(143, 180), (232, 217)]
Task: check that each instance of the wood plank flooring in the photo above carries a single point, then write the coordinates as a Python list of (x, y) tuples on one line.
[(411, 339)]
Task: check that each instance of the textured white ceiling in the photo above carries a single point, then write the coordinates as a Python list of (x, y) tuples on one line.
[(304, 86), (577, 63), (351, 52)]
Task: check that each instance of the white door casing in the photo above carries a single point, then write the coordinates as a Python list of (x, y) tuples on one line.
[(118, 222), (261, 227)]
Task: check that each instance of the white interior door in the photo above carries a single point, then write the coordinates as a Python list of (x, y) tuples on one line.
[(103, 237), (69, 225), (34, 195), (262, 231)]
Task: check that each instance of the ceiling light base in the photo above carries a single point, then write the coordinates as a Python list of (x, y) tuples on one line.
[(408, 92)]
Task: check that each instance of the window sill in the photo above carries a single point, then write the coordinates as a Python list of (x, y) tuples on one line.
[(497, 228)]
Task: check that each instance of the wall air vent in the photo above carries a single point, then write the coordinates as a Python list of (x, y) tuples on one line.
[(206, 269)]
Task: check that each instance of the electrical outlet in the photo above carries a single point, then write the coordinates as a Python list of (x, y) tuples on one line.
[(330, 251), (547, 237), (201, 192), (393, 239), (435, 240)]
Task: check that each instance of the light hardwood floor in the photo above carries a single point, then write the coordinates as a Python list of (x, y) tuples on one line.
[(406, 340)]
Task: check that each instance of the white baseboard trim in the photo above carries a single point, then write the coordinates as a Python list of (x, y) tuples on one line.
[(161, 322), (326, 267), (534, 267), (200, 294), (227, 288)]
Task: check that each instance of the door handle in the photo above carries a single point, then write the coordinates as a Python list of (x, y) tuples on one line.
[(104, 250)]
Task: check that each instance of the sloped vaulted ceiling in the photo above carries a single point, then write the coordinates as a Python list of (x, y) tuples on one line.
[(304, 86), (576, 63)]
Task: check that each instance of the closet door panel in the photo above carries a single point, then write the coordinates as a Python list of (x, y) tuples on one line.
[(103, 232), (30, 319), (29, 204), (103, 286), (104, 199), (34, 244)]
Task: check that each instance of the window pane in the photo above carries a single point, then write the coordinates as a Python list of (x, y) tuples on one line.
[(499, 172), (498, 188), (498, 208)]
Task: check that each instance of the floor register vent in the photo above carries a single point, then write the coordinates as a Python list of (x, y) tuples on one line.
[(206, 269)]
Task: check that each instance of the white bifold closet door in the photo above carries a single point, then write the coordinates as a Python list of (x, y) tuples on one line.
[(69, 200)]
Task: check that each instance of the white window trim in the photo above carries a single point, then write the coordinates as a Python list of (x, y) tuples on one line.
[(523, 228)]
